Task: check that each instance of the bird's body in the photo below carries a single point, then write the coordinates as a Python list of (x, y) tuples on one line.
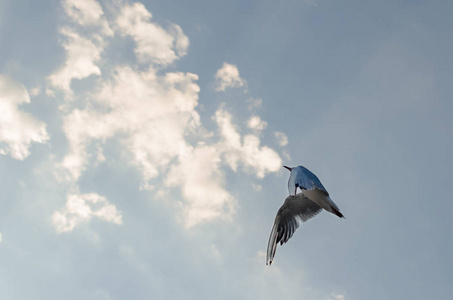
[(310, 185), (299, 207), (303, 178)]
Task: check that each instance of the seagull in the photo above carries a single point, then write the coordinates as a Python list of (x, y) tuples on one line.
[(299, 207)]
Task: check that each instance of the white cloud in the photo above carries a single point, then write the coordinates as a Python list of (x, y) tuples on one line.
[(87, 13), (228, 76), (153, 115), (246, 150), (256, 123), (81, 208), (81, 57), (154, 43), (153, 124), (18, 129), (80, 127), (281, 138), (199, 175), (154, 120), (181, 40)]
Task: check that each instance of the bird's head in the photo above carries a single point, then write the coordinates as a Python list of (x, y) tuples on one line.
[(288, 168)]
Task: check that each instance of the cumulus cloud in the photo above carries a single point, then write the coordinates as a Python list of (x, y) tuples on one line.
[(153, 115), (18, 129), (228, 76), (153, 123), (154, 43), (81, 57), (81, 208)]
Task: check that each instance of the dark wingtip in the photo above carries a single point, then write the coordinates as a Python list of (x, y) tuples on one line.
[(339, 214)]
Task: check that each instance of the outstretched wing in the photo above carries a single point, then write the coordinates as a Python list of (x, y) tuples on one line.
[(304, 179), (295, 209)]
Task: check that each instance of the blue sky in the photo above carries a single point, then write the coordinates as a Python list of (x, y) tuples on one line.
[(142, 144)]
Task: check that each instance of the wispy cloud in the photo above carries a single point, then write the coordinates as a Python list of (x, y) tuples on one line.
[(153, 42), (254, 103), (201, 180), (281, 138), (87, 13), (245, 150), (82, 55), (336, 296), (18, 129), (81, 208)]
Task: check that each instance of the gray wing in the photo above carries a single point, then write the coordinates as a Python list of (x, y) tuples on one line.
[(304, 179), (295, 209)]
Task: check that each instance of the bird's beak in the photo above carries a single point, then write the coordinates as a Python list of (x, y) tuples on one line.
[(288, 168)]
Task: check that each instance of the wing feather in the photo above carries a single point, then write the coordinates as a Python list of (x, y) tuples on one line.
[(294, 210)]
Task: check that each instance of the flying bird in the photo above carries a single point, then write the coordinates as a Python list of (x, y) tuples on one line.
[(299, 207)]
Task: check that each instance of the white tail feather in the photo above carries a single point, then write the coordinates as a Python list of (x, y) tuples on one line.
[(320, 198)]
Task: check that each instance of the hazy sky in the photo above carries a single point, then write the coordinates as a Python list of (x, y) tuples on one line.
[(142, 146)]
